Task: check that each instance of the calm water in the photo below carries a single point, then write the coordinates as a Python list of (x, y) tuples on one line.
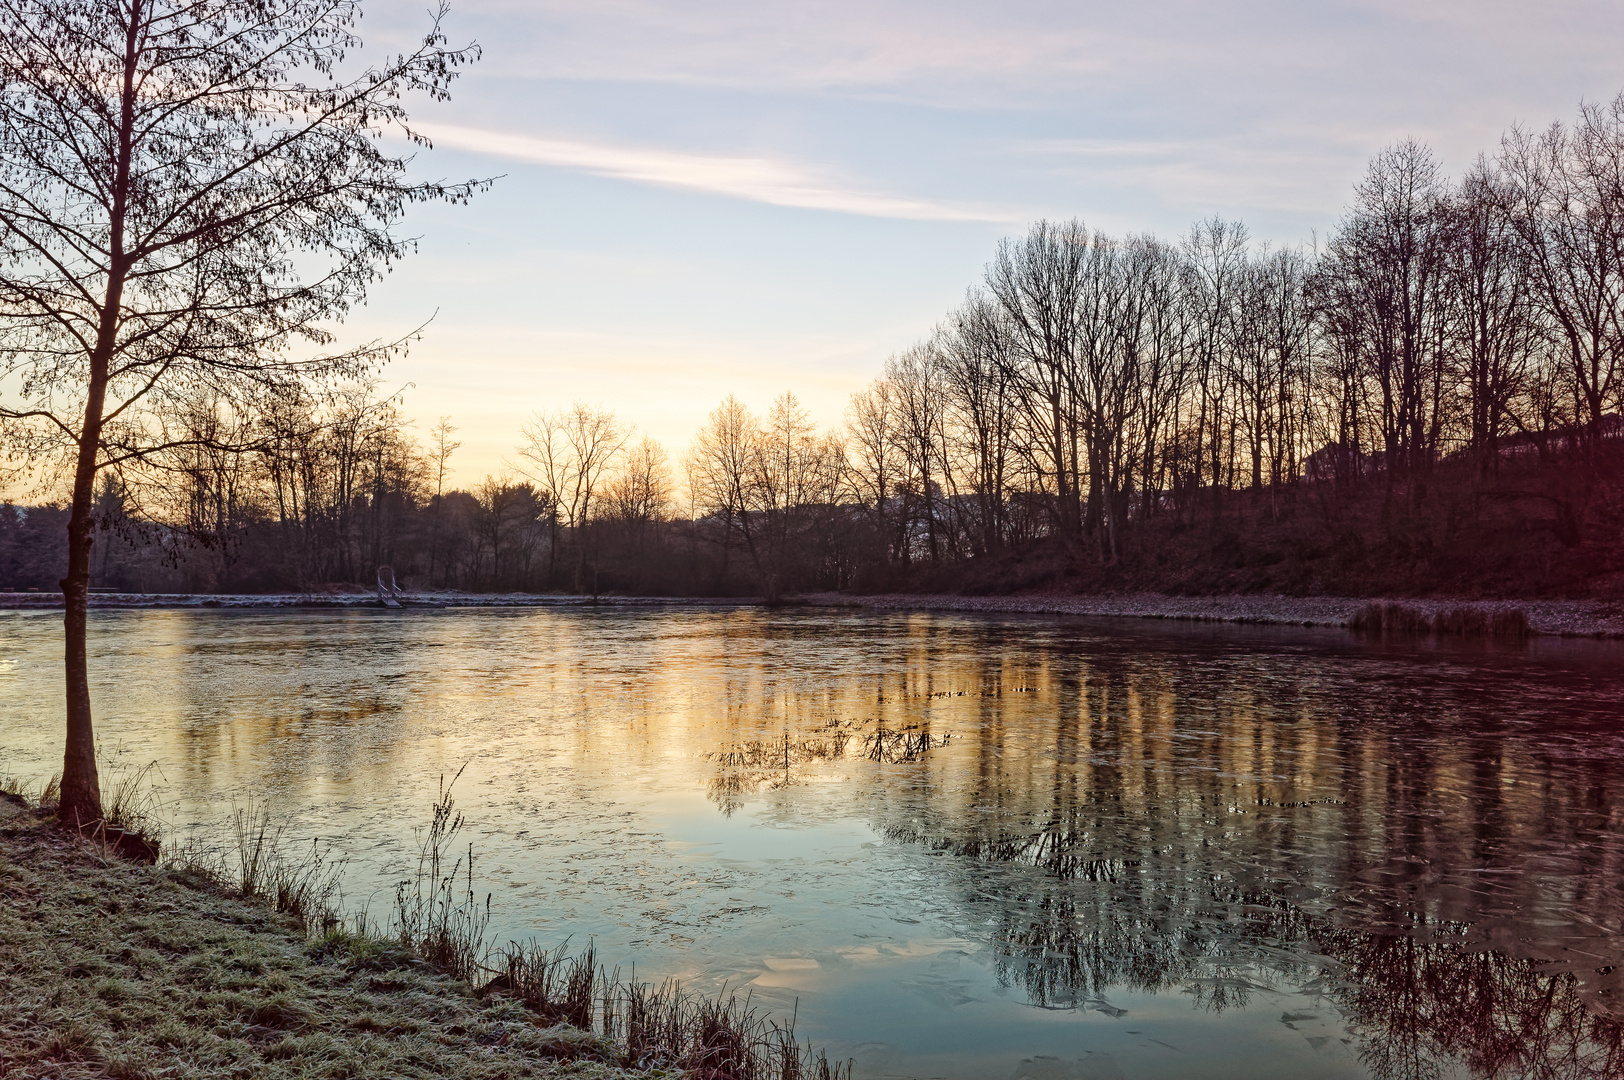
[(1130, 849)]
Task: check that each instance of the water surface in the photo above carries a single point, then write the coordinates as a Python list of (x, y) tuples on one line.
[(958, 846)]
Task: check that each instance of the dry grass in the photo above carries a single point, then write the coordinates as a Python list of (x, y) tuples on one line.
[(1478, 622), (659, 1026), (129, 803), (1387, 618), (303, 886), (1397, 619), (434, 913)]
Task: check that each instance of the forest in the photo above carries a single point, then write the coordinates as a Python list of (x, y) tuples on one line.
[(1427, 399)]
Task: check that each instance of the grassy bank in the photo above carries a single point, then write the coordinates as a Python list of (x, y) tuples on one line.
[(110, 968), (238, 966)]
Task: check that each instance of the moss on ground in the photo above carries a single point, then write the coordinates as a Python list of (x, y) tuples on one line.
[(111, 969)]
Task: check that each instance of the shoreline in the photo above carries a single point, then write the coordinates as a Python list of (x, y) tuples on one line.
[(120, 969), (1546, 618), (46, 601), (136, 969)]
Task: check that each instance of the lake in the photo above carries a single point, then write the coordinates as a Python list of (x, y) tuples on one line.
[(954, 845)]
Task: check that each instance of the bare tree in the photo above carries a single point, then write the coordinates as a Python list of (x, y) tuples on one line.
[(919, 401), (1163, 345), (160, 165), (1036, 281), (1494, 324), (1216, 254), (794, 477), (1566, 192), (1390, 254), (569, 453), (441, 447), (509, 528), (720, 465), (975, 349), (769, 484), (876, 463), (640, 493)]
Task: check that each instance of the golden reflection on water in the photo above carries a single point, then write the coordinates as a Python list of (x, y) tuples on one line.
[(987, 825)]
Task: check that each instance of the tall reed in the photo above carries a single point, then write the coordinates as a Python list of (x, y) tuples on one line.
[(436, 915), (302, 885), (659, 1025), (1479, 622)]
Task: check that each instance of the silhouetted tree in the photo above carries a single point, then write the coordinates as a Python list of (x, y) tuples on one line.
[(188, 191)]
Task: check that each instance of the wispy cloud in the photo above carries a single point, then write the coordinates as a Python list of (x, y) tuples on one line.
[(758, 179), (1294, 175)]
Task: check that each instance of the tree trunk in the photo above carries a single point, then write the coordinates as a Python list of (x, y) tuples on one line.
[(81, 787), (81, 805)]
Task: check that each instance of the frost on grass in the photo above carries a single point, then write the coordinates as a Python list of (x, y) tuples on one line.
[(112, 969)]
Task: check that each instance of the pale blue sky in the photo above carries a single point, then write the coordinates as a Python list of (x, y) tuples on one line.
[(716, 196)]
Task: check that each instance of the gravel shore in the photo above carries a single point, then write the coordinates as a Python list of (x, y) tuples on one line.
[(1565, 618), (25, 601)]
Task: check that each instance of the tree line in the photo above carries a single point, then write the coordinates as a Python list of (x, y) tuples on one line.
[(1091, 391)]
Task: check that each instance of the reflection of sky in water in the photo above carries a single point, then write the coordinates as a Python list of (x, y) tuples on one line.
[(1143, 851)]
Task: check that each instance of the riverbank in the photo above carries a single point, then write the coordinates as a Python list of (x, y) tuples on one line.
[(113, 969), (1564, 618), (1556, 618), (41, 600)]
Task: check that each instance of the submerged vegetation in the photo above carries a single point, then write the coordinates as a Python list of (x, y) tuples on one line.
[(218, 961)]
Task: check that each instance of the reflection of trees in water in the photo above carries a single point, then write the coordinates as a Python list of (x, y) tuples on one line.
[(1422, 1002), (1413, 840), (1079, 925), (1067, 930), (1223, 828), (1065, 959)]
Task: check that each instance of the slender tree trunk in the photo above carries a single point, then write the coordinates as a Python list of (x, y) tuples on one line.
[(81, 786)]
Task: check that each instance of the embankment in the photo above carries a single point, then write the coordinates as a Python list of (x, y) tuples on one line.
[(113, 969), (1568, 618)]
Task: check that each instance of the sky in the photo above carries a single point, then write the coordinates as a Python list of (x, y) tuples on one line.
[(738, 196)]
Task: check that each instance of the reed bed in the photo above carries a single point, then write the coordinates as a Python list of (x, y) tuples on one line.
[(1387, 618), (659, 1026), (1477, 622), (302, 884), (436, 912), (633, 1024)]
